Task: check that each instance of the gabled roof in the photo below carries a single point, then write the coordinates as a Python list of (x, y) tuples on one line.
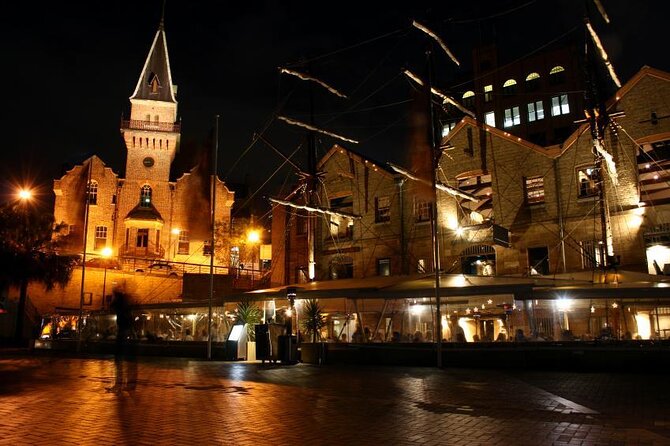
[(157, 66), (357, 156), (468, 121), (146, 213)]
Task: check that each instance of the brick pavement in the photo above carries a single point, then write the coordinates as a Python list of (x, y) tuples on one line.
[(46, 399)]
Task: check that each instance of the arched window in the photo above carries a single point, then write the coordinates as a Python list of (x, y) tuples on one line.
[(532, 81), (509, 87), (93, 192), (468, 98), (557, 75), (145, 196)]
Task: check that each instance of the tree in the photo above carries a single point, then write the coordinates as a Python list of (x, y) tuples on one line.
[(29, 243), (313, 319)]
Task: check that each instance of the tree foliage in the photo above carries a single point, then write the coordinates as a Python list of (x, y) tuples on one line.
[(313, 319), (29, 243), (250, 314)]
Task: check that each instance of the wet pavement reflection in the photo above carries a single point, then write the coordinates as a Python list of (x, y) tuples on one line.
[(180, 401)]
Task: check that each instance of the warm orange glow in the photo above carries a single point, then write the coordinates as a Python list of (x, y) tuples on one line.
[(176, 231), (25, 194), (253, 236), (106, 252)]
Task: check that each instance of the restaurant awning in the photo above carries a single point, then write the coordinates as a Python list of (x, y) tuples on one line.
[(574, 285)]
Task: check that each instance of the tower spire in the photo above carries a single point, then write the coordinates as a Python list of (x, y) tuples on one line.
[(161, 25)]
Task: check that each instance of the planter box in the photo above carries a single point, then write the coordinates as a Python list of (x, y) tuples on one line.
[(251, 351)]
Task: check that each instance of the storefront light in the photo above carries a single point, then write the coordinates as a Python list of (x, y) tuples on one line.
[(563, 304)]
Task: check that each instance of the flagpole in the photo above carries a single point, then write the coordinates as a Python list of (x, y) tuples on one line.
[(434, 158), (83, 259), (213, 225)]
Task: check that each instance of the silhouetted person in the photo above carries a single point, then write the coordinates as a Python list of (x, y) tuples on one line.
[(124, 352)]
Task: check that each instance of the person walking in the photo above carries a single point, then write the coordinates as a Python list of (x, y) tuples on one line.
[(124, 356)]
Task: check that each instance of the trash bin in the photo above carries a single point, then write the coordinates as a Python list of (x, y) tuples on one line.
[(263, 347), (288, 349)]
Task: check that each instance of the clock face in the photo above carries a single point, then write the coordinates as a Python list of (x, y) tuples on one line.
[(148, 161)]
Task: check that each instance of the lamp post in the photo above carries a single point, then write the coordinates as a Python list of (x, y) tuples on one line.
[(106, 254), (253, 238), (175, 232)]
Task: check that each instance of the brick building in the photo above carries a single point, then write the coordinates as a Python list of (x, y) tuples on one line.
[(536, 207), (146, 214)]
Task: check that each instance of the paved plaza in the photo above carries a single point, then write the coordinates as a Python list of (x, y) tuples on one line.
[(45, 399)]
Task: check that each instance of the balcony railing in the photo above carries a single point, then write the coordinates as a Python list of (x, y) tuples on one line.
[(151, 126)]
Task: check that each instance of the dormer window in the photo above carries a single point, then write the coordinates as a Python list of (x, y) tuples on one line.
[(154, 83)]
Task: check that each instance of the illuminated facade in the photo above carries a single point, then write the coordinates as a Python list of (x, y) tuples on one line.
[(144, 215), (524, 197)]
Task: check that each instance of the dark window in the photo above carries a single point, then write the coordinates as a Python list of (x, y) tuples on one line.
[(382, 209), (422, 210), (93, 192), (207, 248), (142, 240), (587, 178), (509, 87), (532, 82), (557, 75), (538, 260)]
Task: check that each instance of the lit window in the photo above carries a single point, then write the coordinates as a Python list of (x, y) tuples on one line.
[(384, 267), (340, 226), (100, 237), (559, 105), (591, 253), (468, 98), (490, 119), (145, 196), (488, 93), (512, 117), (183, 243), (557, 69), (587, 178), (534, 190), (446, 128), (535, 111), (93, 192), (532, 77), (421, 266), (509, 87), (382, 209)]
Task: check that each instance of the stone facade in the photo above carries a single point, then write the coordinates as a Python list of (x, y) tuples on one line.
[(145, 215), (533, 192)]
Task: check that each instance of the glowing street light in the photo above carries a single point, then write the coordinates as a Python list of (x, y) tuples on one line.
[(25, 194)]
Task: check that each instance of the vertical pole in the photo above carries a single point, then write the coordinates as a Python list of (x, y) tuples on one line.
[(434, 150), (83, 259), (213, 227)]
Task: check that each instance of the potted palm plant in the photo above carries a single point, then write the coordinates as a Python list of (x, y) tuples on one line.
[(250, 315), (313, 321)]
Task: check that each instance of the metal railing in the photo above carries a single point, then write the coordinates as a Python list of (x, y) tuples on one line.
[(151, 125)]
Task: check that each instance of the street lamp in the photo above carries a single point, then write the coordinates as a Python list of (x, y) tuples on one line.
[(175, 232), (253, 238), (106, 254), (25, 194)]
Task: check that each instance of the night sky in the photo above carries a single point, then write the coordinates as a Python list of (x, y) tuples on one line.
[(69, 68)]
